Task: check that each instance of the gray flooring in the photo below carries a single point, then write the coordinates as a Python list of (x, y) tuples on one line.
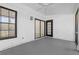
[(46, 46)]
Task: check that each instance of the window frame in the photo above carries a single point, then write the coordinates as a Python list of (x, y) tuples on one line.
[(15, 23)]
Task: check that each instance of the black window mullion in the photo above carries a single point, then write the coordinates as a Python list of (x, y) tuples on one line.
[(8, 21)]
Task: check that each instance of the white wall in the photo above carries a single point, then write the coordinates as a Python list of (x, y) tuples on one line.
[(25, 27), (63, 26)]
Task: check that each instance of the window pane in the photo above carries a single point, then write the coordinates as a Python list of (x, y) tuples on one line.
[(4, 27), (4, 12), (3, 34), (42, 28), (4, 19), (49, 28), (11, 33), (0, 18), (11, 26), (12, 14), (37, 28), (12, 20)]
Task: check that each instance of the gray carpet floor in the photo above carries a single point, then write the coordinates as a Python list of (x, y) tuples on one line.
[(45, 46)]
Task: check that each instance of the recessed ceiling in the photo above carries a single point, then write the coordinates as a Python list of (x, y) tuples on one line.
[(53, 8)]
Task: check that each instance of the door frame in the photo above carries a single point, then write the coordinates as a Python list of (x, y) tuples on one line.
[(51, 28), (76, 28), (40, 27)]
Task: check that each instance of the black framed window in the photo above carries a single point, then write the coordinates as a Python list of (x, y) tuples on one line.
[(8, 23)]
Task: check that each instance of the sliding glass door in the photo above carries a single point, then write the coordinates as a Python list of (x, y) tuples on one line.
[(37, 34), (39, 28), (42, 28)]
